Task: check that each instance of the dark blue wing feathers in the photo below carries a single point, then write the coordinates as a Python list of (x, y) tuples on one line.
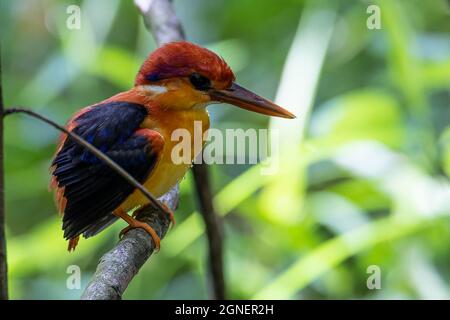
[(91, 189)]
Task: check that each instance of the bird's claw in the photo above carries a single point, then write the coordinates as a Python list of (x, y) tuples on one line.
[(170, 213), (139, 224), (165, 210)]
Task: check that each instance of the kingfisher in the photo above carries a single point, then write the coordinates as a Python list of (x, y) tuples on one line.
[(172, 89)]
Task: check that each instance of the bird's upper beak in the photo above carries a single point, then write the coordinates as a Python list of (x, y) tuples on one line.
[(243, 98)]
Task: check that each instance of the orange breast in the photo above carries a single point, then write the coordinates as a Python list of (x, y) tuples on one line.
[(167, 173)]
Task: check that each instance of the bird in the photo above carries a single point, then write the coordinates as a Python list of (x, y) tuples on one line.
[(172, 89)]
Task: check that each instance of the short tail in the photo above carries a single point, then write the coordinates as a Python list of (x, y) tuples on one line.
[(73, 244)]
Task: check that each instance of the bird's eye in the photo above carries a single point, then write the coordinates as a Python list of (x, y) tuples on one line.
[(200, 82)]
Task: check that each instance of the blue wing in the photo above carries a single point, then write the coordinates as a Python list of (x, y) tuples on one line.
[(90, 189)]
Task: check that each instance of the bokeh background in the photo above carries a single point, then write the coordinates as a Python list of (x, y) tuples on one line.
[(363, 170)]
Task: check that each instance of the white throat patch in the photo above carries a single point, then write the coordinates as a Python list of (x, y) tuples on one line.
[(153, 89)]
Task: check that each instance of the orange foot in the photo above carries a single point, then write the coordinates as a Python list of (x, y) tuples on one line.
[(167, 210), (133, 224), (73, 243)]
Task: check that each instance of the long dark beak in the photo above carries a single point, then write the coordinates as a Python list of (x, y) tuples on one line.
[(243, 98)]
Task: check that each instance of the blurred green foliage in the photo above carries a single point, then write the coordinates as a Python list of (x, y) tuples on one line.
[(363, 171)]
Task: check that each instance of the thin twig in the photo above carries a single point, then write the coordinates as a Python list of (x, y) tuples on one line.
[(107, 160), (3, 261), (160, 18), (214, 230)]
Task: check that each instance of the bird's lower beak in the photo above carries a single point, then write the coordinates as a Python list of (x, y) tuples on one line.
[(243, 98)]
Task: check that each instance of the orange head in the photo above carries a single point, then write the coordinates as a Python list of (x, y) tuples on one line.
[(182, 75)]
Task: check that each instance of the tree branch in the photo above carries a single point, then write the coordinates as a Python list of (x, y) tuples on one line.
[(119, 266), (161, 20), (3, 263)]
